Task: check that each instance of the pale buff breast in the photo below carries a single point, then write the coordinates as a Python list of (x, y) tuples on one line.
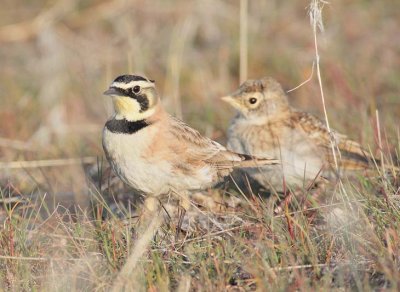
[(125, 154), (147, 162), (301, 161)]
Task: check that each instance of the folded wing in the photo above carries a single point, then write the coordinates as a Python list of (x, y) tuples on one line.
[(197, 150), (350, 154)]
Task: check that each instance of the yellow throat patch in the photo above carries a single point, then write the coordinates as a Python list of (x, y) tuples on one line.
[(129, 109)]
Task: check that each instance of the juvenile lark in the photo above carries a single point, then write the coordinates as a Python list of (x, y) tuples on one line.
[(156, 153), (265, 124)]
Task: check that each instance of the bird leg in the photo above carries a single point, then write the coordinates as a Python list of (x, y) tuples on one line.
[(181, 216), (150, 208), (184, 204), (150, 204)]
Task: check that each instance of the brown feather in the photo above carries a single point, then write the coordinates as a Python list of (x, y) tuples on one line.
[(200, 150), (350, 154)]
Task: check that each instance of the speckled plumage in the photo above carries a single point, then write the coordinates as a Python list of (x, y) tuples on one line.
[(269, 126)]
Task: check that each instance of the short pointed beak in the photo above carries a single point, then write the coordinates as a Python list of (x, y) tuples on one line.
[(111, 91), (227, 98), (233, 101)]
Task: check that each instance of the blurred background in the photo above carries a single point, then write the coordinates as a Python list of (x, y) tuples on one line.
[(57, 57)]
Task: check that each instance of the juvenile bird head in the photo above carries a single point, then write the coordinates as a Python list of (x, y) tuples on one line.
[(258, 98), (134, 97)]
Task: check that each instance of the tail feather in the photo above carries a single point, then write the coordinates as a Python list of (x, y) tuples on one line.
[(224, 168), (253, 161)]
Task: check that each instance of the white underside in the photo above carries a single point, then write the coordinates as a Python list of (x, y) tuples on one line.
[(296, 170), (151, 175)]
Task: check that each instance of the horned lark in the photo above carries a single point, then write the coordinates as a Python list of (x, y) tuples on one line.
[(156, 153), (265, 124)]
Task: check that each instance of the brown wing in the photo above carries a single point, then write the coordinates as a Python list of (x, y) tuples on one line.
[(195, 150), (350, 154)]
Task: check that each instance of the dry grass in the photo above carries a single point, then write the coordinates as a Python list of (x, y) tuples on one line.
[(67, 224)]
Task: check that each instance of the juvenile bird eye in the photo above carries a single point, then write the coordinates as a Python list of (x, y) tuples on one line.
[(253, 100), (136, 89)]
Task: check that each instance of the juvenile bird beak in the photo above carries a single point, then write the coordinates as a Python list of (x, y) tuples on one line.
[(230, 99), (111, 91)]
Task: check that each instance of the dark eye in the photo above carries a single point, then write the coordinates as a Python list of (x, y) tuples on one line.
[(136, 89), (252, 100)]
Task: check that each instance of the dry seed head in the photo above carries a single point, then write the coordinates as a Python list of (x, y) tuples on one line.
[(315, 13)]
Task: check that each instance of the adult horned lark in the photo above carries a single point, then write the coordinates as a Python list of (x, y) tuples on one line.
[(266, 125), (156, 153)]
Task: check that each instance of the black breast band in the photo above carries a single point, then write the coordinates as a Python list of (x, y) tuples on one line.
[(125, 127)]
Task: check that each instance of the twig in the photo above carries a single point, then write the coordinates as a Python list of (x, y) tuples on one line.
[(385, 185), (378, 126), (306, 81), (243, 40), (298, 267), (11, 200), (316, 21), (46, 163), (16, 144), (183, 34), (125, 275), (38, 258)]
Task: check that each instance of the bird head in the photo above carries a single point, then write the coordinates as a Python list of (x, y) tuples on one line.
[(134, 97), (258, 98)]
